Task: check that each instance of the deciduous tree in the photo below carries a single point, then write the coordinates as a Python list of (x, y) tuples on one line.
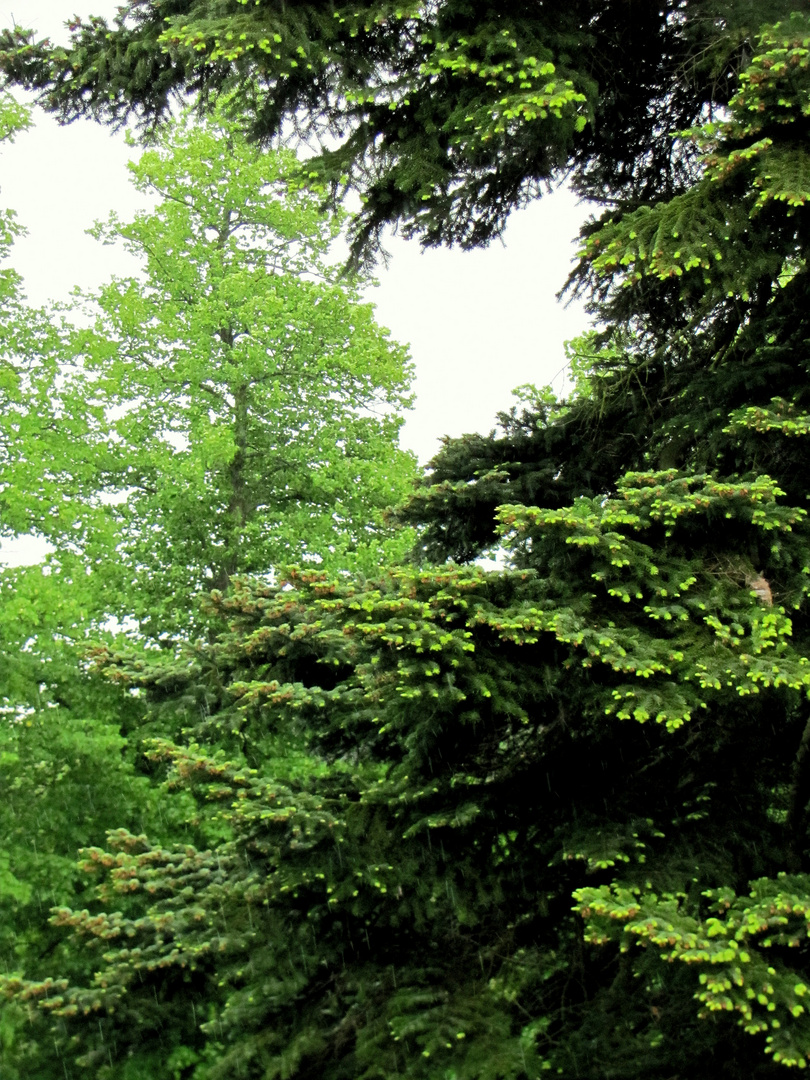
[(247, 404)]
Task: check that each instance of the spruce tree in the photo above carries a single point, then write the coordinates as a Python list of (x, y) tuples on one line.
[(700, 360)]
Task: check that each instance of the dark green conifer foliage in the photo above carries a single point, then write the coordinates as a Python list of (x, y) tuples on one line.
[(414, 778), (447, 115), (702, 363)]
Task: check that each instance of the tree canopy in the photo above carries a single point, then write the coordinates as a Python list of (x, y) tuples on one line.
[(445, 116), (701, 361), (453, 824), (487, 825), (421, 777), (257, 401), (232, 407)]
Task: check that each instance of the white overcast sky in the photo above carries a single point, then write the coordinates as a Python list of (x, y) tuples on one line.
[(478, 323)]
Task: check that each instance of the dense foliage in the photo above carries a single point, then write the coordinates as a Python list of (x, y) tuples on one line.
[(232, 406), (257, 403), (246, 404), (419, 775), (701, 364), (446, 115), (454, 824)]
